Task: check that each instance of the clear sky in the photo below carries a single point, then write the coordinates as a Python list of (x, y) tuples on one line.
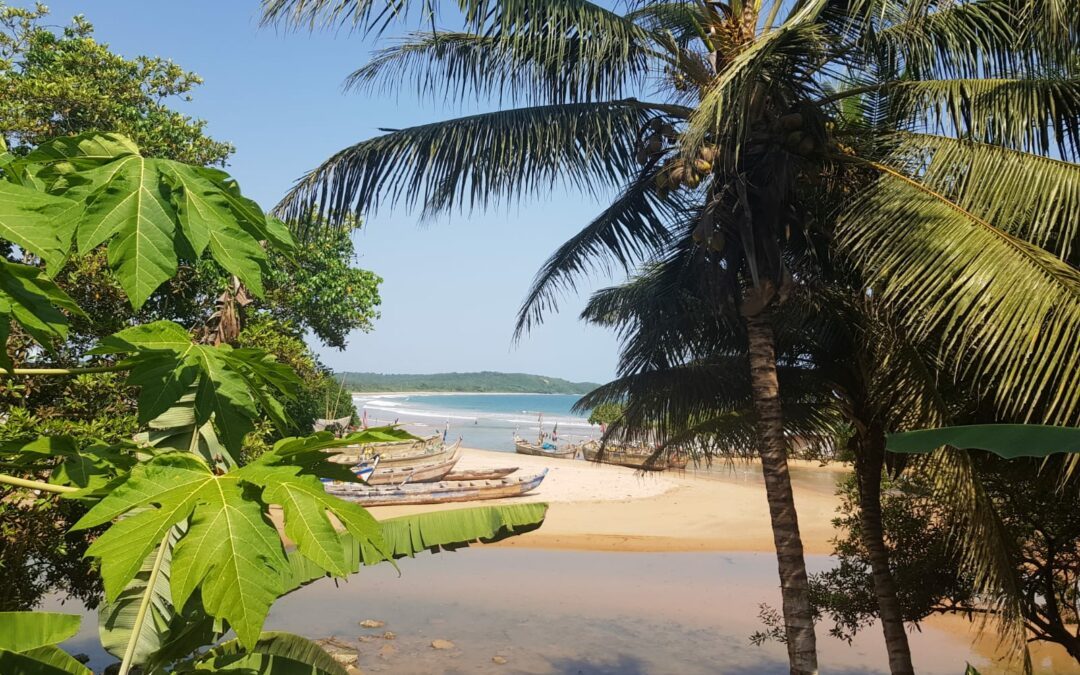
[(451, 288)]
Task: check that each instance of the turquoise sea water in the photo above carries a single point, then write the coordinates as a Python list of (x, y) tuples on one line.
[(487, 421)]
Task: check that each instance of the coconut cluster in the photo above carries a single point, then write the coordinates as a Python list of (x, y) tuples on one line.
[(656, 137), (680, 171)]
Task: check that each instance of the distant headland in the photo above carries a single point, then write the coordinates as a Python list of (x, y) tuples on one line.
[(486, 381)]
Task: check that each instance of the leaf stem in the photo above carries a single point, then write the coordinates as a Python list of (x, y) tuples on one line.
[(35, 484), (63, 371), (144, 606)]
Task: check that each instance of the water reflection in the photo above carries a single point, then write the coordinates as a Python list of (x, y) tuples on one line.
[(543, 612)]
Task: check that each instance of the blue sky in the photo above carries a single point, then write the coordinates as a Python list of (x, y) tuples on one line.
[(451, 288)]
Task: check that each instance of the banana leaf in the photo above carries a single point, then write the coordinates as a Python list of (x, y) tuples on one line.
[(405, 536), (1006, 440)]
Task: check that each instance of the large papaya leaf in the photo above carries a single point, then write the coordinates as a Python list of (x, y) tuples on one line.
[(230, 384), (231, 553), (36, 303), (275, 653), (237, 549), (1006, 440), (27, 219), (152, 212), (91, 468), (28, 639)]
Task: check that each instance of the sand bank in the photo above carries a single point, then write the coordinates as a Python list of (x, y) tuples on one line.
[(610, 508)]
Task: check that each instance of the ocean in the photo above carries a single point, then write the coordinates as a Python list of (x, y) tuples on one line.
[(485, 421)]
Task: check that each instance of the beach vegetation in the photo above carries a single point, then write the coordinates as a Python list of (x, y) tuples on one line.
[(60, 80), (481, 382), (64, 82), (1036, 508), (605, 413), (925, 146), (183, 542)]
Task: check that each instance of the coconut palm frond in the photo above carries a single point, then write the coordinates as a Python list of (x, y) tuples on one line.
[(631, 229), (906, 381), (542, 68), (567, 17), (1038, 114), (477, 161), (1032, 197), (685, 21), (793, 49), (985, 550), (1051, 26), (1007, 309), (364, 14), (957, 40), (704, 409)]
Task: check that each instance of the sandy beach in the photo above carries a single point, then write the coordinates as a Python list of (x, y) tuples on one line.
[(601, 507)]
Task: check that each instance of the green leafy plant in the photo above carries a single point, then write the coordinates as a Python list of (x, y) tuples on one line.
[(187, 549)]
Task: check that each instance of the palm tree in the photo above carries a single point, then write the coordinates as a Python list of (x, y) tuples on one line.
[(958, 201), (846, 369)]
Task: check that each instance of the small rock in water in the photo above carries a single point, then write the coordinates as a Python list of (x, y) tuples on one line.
[(372, 623), (345, 658), (387, 651), (501, 660), (389, 636), (365, 638), (442, 644)]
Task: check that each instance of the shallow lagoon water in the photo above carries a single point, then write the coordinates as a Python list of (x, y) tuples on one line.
[(573, 612)]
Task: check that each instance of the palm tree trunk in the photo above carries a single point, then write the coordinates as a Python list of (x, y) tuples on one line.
[(868, 465), (794, 588)]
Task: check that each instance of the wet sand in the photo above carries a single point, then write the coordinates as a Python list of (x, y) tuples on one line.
[(600, 507)]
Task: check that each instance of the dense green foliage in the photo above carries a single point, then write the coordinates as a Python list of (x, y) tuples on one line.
[(486, 381), (57, 84), (175, 492), (605, 413), (1039, 514), (316, 288)]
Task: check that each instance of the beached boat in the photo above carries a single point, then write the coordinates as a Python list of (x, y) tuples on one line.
[(436, 493), (480, 474), (413, 455), (635, 459), (390, 448), (523, 447), (419, 473)]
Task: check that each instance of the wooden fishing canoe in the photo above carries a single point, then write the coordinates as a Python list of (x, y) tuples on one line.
[(420, 473), (634, 460), (436, 493), (527, 448), (480, 474), (391, 448), (415, 455)]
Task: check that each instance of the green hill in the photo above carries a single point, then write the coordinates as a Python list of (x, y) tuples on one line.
[(479, 382)]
